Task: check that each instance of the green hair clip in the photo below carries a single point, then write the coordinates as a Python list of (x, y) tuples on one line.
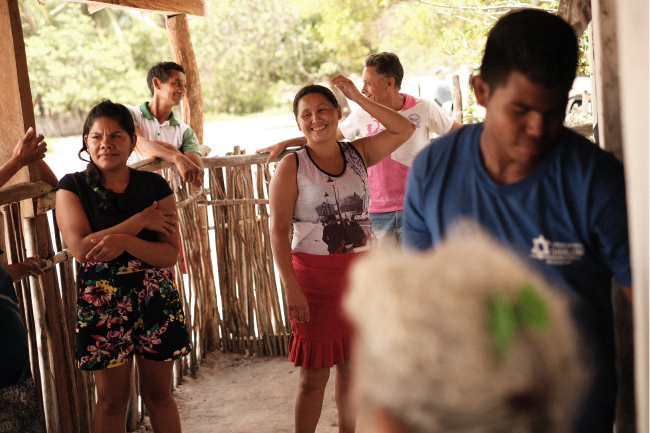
[(507, 317)]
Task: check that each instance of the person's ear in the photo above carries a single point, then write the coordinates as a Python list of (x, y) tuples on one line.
[(390, 82), (134, 140), (339, 110), (156, 83), (481, 90)]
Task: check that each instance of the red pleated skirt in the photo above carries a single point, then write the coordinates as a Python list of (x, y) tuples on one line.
[(325, 340)]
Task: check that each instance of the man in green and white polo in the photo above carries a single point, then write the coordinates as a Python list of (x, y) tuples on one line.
[(160, 134)]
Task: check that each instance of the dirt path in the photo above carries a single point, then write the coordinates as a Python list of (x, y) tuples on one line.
[(233, 394)]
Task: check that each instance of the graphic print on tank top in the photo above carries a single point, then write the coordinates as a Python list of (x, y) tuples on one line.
[(331, 212)]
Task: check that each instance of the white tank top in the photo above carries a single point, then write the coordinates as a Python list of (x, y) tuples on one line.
[(331, 211)]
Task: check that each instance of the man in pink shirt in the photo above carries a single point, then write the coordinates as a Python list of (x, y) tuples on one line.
[(382, 79)]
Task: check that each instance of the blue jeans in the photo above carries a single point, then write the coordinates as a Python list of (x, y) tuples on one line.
[(387, 225)]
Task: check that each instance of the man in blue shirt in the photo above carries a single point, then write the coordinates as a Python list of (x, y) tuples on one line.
[(548, 193)]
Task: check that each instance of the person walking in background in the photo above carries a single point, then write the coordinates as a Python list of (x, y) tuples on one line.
[(442, 92), (439, 349), (120, 224), (160, 134), (382, 79), (325, 182), (545, 191)]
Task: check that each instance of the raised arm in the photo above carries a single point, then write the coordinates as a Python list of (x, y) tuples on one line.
[(375, 148), (30, 149), (159, 217), (283, 192)]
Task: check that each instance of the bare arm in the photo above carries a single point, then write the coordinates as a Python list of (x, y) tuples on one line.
[(188, 169), (30, 149), (194, 178), (455, 125), (627, 291), (47, 175), (76, 231), (283, 192), (376, 147), (280, 147), (33, 265), (161, 253)]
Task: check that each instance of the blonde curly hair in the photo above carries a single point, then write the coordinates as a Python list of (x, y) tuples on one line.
[(424, 352)]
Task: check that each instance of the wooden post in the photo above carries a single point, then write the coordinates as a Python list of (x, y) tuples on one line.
[(593, 76), (52, 322), (183, 54), (457, 114), (606, 66), (633, 60), (16, 107)]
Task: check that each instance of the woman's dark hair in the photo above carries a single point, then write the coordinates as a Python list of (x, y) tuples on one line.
[(535, 43), (313, 88), (123, 117)]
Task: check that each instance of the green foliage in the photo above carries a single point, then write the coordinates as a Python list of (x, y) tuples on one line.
[(583, 58), (248, 51), (76, 60), (243, 58)]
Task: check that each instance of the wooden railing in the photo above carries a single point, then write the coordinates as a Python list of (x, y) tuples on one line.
[(225, 239)]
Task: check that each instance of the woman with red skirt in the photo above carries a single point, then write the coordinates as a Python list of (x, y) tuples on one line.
[(321, 192)]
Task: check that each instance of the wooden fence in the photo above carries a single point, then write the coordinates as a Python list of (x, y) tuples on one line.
[(225, 238)]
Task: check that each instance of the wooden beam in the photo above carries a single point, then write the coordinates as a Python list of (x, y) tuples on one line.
[(165, 7), (23, 191), (605, 66), (182, 49), (633, 26), (16, 107)]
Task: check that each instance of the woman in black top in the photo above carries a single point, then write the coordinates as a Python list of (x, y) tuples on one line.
[(121, 225)]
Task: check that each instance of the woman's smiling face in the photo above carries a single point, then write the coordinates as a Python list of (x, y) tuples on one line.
[(109, 146), (317, 118)]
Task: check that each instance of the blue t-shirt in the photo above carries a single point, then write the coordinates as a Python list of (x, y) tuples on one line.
[(568, 217), (142, 190)]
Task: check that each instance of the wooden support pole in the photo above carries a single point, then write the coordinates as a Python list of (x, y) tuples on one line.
[(606, 67), (37, 239), (633, 26), (16, 107), (183, 53), (457, 114)]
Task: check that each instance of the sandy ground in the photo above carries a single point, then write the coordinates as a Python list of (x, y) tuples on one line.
[(234, 394)]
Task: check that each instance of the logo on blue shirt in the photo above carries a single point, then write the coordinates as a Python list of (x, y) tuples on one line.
[(556, 253)]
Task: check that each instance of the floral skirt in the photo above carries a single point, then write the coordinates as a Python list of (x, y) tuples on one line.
[(125, 308)]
